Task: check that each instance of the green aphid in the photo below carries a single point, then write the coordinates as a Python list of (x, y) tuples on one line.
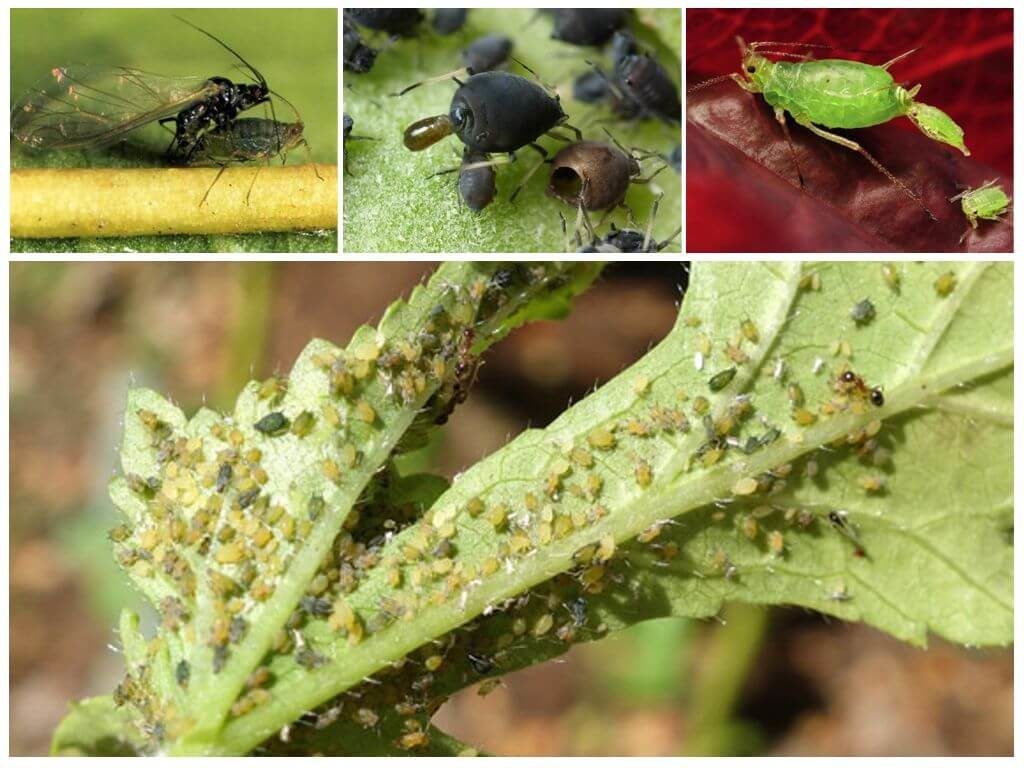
[(839, 93), (988, 201), (721, 379)]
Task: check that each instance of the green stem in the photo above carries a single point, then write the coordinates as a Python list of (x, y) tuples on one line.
[(724, 669), (245, 341)]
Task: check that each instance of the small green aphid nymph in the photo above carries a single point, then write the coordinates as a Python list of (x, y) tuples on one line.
[(988, 202)]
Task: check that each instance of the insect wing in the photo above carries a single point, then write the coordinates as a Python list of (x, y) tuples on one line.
[(80, 106)]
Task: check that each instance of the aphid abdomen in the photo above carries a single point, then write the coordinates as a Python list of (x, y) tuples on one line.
[(836, 93), (476, 185), (986, 203), (647, 83), (502, 112)]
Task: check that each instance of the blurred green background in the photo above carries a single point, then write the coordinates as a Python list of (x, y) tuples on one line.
[(296, 50), (388, 202), (785, 681)]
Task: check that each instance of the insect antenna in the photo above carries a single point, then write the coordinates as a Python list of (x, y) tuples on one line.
[(430, 80), (228, 48), (536, 77), (708, 82)]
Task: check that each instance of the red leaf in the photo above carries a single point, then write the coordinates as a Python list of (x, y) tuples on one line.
[(742, 192)]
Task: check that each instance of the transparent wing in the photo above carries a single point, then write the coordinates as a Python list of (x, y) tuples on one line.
[(80, 106)]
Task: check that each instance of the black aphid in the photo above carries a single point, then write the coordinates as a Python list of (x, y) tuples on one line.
[(643, 81), (81, 107), (487, 53), (357, 56), (482, 665), (400, 22), (274, 423), (587, 26), (449, 20), (676, 159), (590, 87), (347, 136)]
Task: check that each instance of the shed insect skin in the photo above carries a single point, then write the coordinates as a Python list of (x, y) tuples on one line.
[(859, 95), (595, 174), (988, 202)]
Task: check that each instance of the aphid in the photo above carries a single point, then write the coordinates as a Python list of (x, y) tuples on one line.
[(477, 179), (400, 22), (676, 159), (891, 273), (348, 123), (316, 606), (577, 609), (721, 379), (595, 174), (590, 87), (182, 672), (273, 424), (872, 483), (414, 740), (795, 394), (647, 89), (863, 312), (357, 57), (467, 365), (988, 202), (745, 486), (586, 26), (839, 93), (83, 107), (492, 112), (303, 424), (750, 332), (486, 53), (482, 665), (247, 140), (449, 20), (776, 543), (623, 240), (945, 284)]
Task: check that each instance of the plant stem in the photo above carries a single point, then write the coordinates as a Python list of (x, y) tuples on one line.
[(717, 685), (246, 337), (120, 202)]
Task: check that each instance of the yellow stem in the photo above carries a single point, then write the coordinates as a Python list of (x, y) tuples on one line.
[(120, 202)]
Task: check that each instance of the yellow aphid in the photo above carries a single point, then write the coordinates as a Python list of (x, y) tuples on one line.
[(750, 331), (433, 663), (348, 455), (643, 473), (803, 417), (892, 276), (701, 405), (692, 321), (543, 625), (605, 549), (945, 284), (601, 438), (489, 566), (331, 416), (474, 507), (365, 412), (230, 553), (712, 457), (745, 487), (775, 542), (704, 344), (749, 527), (641, 384), (636, 428), (498, 515), (331, 470), (582, 456), (872, 483)]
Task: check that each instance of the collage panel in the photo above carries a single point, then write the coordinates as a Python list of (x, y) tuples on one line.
[(193, 130), (512, 130), (545, 508), (849, 130)]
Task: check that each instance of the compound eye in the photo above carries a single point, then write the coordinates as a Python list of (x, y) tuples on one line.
[(459, 115), (751, 69)]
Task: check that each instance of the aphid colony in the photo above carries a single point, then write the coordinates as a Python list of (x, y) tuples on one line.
[(212, 497)]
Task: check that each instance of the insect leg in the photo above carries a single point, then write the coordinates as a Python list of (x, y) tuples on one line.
[(650, 224), (215, 179), (649, 178), (544, 156), (898, 58), (843, 142), (780, 115)]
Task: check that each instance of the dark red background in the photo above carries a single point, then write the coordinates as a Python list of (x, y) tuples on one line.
[(965, 66)]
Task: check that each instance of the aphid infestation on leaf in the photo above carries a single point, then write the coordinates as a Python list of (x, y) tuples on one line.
[(312, 596)]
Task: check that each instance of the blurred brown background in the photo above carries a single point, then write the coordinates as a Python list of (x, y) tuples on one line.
[(778, 682)]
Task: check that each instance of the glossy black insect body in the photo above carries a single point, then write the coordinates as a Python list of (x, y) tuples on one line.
[(491, 112), (476, 184), (487, 53), (482, 665), (347, 136), (356, 55), (449, 20), (676, 159), (587, 26), (401, 22), (81, 107), (644, 81)]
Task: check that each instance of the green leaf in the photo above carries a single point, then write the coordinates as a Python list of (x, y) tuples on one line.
[(97, 728), (389, 204), (934, 536), (229, 519), (296, 49)]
